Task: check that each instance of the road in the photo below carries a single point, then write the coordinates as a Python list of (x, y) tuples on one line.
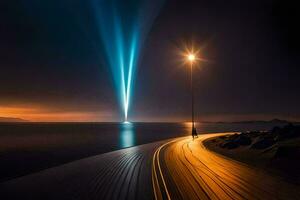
[(122, 174), (185, 169), (181, 169)]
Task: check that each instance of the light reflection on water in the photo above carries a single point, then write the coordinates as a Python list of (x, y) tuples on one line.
[(126, 135)]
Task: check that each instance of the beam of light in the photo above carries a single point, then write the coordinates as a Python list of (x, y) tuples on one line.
[(130, 72), (123, 27)]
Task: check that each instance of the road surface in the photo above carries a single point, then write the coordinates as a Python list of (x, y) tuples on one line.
[(122, 174), (173, 169), (185, 169)]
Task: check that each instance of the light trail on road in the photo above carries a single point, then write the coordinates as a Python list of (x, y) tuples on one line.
[(187, 170)]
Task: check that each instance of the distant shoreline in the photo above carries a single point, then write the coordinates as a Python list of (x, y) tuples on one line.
[(275, 121), (11, 120)]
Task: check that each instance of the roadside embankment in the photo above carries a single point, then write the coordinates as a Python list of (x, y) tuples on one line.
[(276, 151)]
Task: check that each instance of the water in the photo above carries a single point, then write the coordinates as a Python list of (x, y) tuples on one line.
[(29, 147)]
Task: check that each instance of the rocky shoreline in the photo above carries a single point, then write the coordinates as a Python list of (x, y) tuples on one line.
[(277, 150)]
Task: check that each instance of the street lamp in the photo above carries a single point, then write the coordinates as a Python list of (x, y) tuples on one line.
[(191, 58)]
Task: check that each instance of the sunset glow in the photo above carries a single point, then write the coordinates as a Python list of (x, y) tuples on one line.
[(38, 114)]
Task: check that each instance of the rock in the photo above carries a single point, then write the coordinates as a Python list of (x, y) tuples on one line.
[(263, 143), (230, 145), (254, 133), (243, 139), (223, 137), (287, 132)]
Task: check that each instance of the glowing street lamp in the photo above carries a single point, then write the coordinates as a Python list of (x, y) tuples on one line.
[(191, 58)]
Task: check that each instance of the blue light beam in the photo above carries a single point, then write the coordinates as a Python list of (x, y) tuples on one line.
[(123, 27)]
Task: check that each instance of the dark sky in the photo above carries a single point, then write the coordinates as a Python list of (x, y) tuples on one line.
[(52, 64)]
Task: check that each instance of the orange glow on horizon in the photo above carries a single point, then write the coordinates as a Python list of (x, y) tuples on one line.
[(37, 114)]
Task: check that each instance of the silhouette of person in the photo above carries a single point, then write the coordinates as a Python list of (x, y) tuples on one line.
[(194, 133)]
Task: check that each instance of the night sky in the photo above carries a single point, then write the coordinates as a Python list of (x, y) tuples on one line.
[(53, 68)]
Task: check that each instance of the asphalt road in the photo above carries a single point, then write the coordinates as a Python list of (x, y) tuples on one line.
[(122, 174), (185, 169)]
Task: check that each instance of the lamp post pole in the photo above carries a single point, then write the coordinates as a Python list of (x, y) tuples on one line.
[(192, 98), (192, 58)]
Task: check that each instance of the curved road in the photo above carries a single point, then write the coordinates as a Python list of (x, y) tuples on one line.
[(185, 169), (181, 169)]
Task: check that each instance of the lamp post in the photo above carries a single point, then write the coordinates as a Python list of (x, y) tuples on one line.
[(192, 58)]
